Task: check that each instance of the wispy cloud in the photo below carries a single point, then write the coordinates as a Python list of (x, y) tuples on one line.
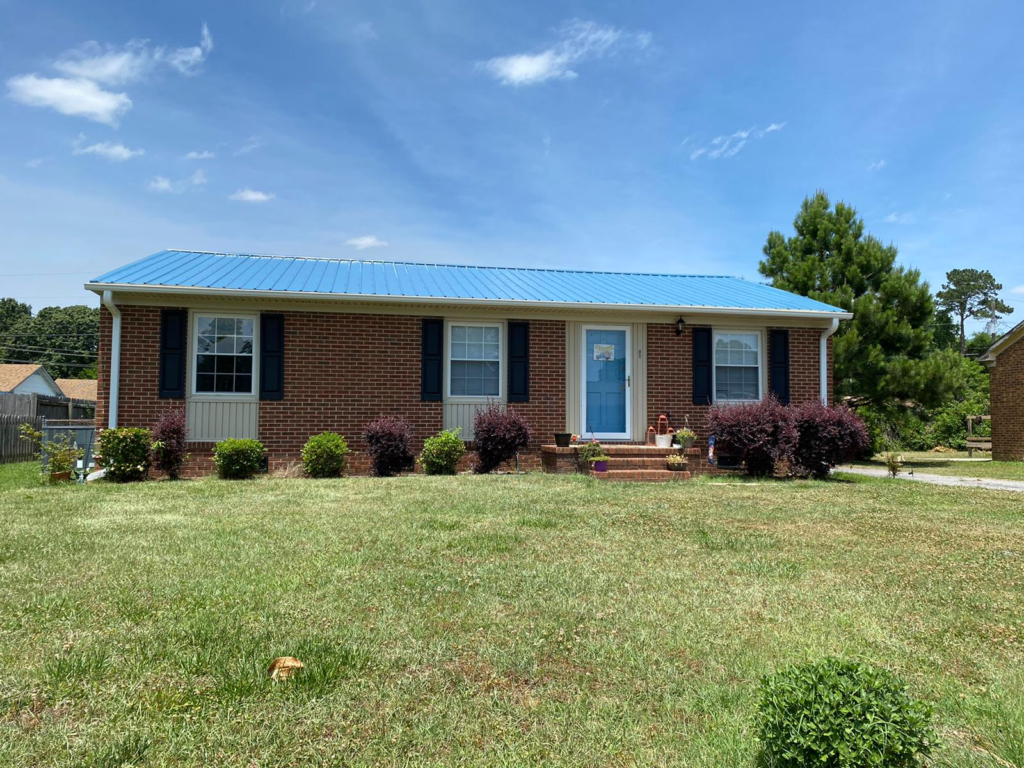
[(35, 162), (1018, 290), (74, 97), (252, 143), (252, 196), (365, 31), (876, 166), (366, 241), (578, 41), (200, 155), (729, 146), (163, 184), (900, 218), (297, 7), (118, 153)]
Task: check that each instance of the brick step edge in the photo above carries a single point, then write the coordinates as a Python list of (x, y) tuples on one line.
[(638, 462), (641, 475)]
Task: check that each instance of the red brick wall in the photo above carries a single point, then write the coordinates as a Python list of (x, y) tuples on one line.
[(546, 409), (670, 375), (1008, 404)]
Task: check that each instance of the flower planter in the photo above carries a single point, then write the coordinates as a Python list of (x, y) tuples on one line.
[(562, 439), (676, 466), (663, 441), (688, 443), (60, 477), (599, 466)]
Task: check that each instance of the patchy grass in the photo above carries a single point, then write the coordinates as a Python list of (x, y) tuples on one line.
[(947, 464), (504, 621)]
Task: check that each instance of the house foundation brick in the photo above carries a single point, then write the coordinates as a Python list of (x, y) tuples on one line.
[(1007, 399)]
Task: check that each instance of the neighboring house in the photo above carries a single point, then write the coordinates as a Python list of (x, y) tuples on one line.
[(27, 379), (281, 348), (1005, 361), (78, 389)]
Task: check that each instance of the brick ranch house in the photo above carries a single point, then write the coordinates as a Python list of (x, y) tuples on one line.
[(1005, 361), (281, 348)]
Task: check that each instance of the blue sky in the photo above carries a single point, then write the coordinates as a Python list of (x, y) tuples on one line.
[(660, 136)]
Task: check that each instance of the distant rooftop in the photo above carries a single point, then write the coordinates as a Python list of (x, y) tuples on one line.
[(252, 274)]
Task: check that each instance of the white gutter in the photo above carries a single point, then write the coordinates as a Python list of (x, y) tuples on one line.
[(448, 301), (823, 357), (115, 358)]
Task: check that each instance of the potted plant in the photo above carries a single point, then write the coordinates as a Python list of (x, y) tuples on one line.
[(593, 453), (562, 439), (676, 462), (62, 457), (686, 436)]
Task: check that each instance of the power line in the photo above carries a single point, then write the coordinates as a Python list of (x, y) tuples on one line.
[(63, 365), (43, 274), (42, 335), (49, 350)]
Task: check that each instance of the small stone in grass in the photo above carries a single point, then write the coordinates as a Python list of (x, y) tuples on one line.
[(284, 667)]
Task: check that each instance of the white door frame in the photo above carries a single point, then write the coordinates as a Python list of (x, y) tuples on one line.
[(627, 435)]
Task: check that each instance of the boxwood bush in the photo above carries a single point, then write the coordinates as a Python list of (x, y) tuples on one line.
[(238, 459), (387, 441), (843, 714), (441, 453), (124, 453), (324, 455)]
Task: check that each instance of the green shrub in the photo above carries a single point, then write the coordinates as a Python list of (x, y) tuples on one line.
[(441, 453), (324, 455), (238, 459), (124, 452), (841, 713)]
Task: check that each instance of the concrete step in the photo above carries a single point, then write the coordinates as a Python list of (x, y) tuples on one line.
[(641, 475)]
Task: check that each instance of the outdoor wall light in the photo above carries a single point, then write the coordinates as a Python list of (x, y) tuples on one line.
[(679, 326)]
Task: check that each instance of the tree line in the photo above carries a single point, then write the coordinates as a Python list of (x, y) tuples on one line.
[(64, 340)]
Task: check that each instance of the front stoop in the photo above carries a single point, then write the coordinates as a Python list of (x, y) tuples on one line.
[(626, 462)]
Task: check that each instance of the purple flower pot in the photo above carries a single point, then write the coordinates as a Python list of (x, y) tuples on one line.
[(600, 466)]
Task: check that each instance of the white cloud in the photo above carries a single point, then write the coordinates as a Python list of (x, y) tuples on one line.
[(75, 97), (111, 65), (118, 153), (731, 145), (876, 166), (366, 241), (578, 41), (365, 31), (203, 155), (188, 61), (163, 184), (900, 218), (253, 142), (1018, 290), (252, 196), (35, 162)]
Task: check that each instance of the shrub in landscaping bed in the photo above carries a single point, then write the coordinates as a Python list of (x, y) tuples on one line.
[(441, 453), (761, 434), (499, 433), (841, 713), (324, 455), (238, 459), (387, 441), (125, 452), (169, 435), (827, 437)]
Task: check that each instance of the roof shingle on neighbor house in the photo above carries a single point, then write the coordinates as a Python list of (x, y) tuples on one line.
[(27, 378), (203, 272), (79, 389)]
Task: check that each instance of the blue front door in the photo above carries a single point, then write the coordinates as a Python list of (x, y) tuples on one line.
[(605, 388)]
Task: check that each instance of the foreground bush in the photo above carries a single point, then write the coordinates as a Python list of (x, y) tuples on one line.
[(827, 437), (841, 713), (324, 455), (441, 453), (169, 435), (499, 433), (387, 441), (238, 459), (124, 452), (761, 434)]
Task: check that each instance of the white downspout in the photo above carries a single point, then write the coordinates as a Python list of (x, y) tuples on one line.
[(115, 358), (823, 358)]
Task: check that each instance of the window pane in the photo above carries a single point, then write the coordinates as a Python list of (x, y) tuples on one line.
[(225, 382), (491, 352), (225, 364), (204, 382), (474, 351), (246, 329), (736, 383), (458, 333), (474, 333), (243, 345), (243, 384), (458, 350), (243, 364), (491, 335), (225, 345), (204, 344), (225, 326), (206, 326), (205, 363)]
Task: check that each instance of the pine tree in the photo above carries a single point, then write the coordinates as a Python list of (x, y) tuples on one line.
[(971, 293)]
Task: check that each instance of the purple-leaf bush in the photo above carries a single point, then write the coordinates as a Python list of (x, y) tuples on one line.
[(499, 433), (387, 441), (761, 434), (827, 437), (169, 435)]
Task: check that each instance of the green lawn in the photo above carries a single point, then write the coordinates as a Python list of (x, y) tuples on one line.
[(501, 621), (945, 464)]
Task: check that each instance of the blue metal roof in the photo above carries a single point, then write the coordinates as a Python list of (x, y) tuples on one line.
[(355, 278)]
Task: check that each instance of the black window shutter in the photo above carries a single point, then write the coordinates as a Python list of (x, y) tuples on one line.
[(702, 366), (173, 342), (778, 371), (432, 361), (271, 357), (519, 362)]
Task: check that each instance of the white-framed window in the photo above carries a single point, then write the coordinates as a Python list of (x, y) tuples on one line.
[(738, 366), (224, 353), (475, 359)]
